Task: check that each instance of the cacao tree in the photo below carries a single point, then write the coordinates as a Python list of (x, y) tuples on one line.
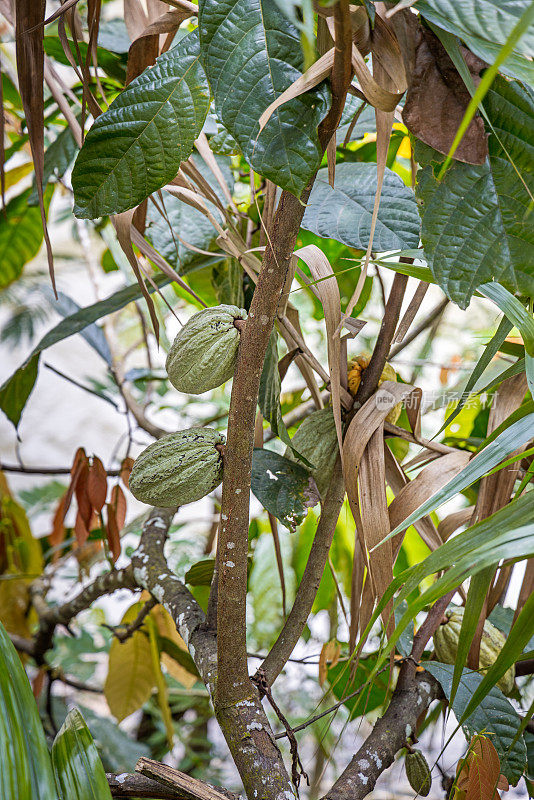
[(303, 192)]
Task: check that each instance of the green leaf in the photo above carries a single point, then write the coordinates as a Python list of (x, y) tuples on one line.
[(15, 391), (26, 770), (201, 573), (182, 657), (181, 223), (485, 25), (284, 488), (118, 752), (77, 766), (57, 159), (137, 145), (476, 595), (503, 619), (21, 235), (113, 64), (495, 716), (371, 697), (344, 213), (509, 440), (475, 222), (251, 53)]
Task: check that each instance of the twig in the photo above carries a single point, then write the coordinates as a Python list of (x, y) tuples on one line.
[(331, 709), (81, 385), (371, 374), (124, 632), (297, 770), (309, 584), (423, 325), (33, 470)]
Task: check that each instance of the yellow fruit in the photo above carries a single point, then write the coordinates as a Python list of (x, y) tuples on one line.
[(356, 368)]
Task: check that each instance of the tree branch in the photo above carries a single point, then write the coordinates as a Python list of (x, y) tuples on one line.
[(172, 778), (309, 585), (371, 374), (388, 736), (244, 724), (50, 617), (137, 786)]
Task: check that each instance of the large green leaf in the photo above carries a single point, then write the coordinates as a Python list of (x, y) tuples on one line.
[(284, 488), (21, 235), (77, 765), (476, 221), (137, 145), (15, 391), (252, 53), (344, 213), (495, 716), (181, 223), (26, 772), (485, 26)]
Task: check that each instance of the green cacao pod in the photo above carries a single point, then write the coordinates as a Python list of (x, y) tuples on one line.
[(204, 352), (446, 641), (179, 468), (418, 772), (316, 440)]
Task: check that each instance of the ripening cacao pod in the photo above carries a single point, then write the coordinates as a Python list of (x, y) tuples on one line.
[(204, 352), (179, 468), (446, 641), (418, 772), (316, 440), (355, 369)]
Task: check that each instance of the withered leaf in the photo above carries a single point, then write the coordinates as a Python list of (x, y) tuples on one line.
[(437, 99)]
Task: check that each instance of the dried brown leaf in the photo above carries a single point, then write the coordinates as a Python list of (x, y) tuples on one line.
[(113, 532), (29, 19), (118, 501), (437, 99), (97, 484)]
